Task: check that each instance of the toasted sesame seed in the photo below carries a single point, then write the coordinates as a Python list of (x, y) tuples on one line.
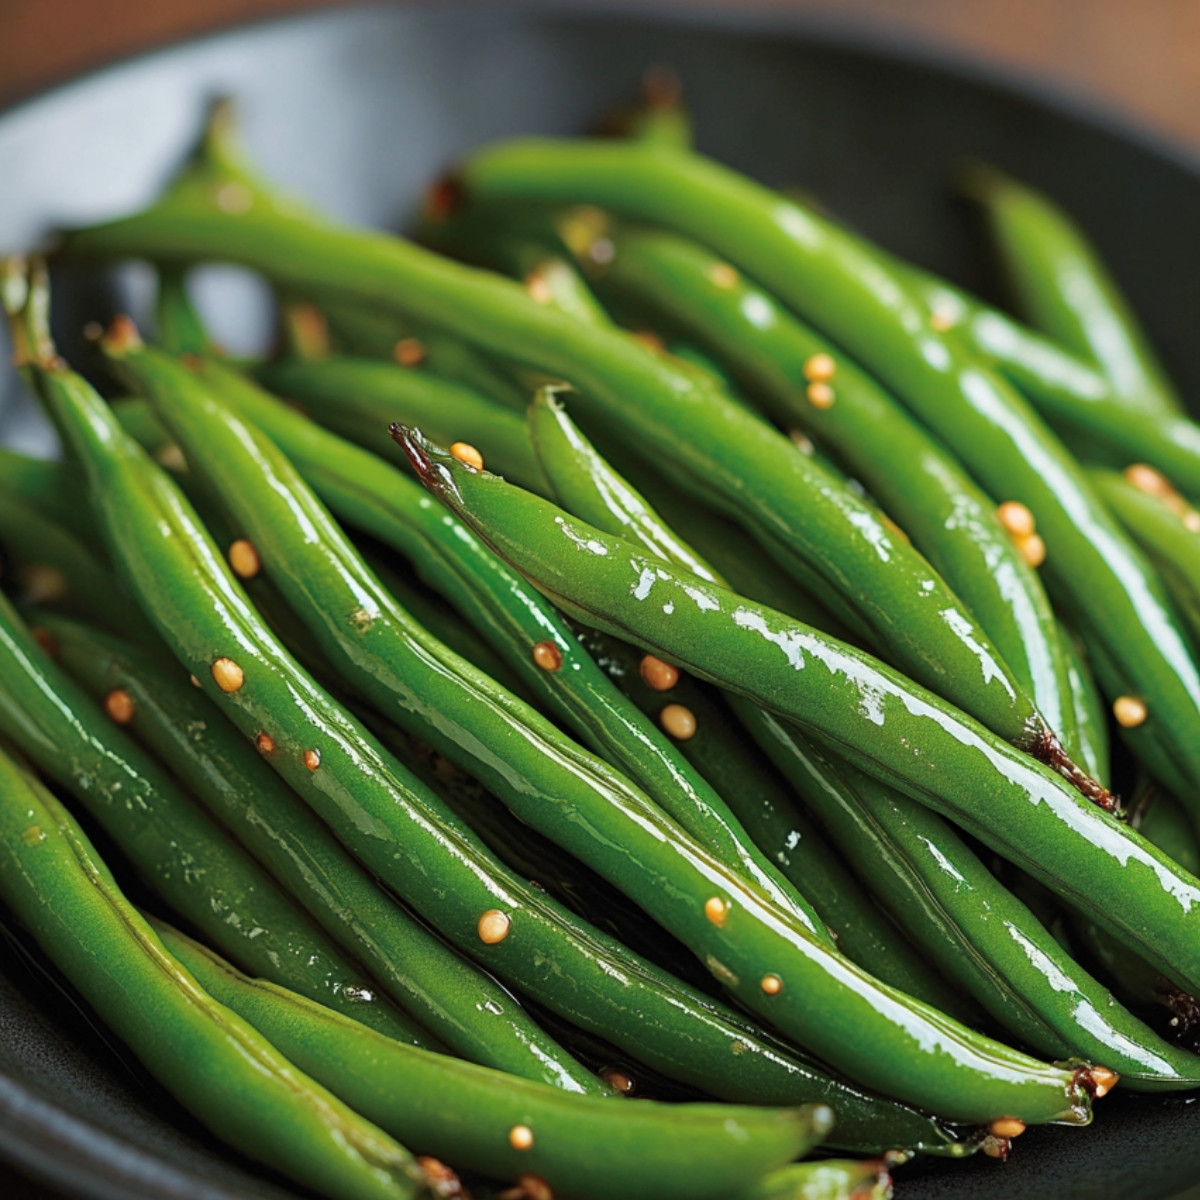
[(619, 1080), (820, 368), (467, 455), (723, 275), (716, 910), (547, 656), (264, 743), (772, 985), (1033, 549), (1006, 1127), (1016, 518), (820, 395), (409, 352), (493, 926), (228, 676), (312, 759), (656, 674), (119, 706), (678, 721), (243, 558), (1130, 711), (520, 1137)]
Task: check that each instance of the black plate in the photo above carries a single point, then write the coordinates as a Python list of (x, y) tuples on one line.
[(356, 109)]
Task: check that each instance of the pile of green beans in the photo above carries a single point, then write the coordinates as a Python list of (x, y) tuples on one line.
[(682, 744)]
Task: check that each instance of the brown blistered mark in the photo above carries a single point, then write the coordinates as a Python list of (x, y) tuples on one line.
[(243, 558), (264, 743), (658, 675), (678, 721), (619, 1080), (547, 656), (45, 639), (466, 454), (312, 759), (716, 910), (119, 706), (820, 368), (1130, 711), (409, 352), (227, 675), (443, 1181), (444, 198), (493, 926)]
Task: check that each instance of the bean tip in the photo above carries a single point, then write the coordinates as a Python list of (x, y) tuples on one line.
[(120, 337)]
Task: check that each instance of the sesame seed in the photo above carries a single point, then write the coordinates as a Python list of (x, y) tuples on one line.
[(467, 455), (538, 286), (716, 910), (264, 743), (409, 352), (1006, 1127), (678, 721), (1147, 479), (493, 926), (658, 675), (619, 1080), (1130, 711), (119, 706), (724, 276), (772, 985), (520, 1137), (243, 558), (1033, 550), (227, 675), (312, 759), (820, 368), (820, 395), (1016, 518), (547, 656)]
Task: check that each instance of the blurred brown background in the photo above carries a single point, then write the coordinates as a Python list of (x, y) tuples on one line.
[(1142, 56)]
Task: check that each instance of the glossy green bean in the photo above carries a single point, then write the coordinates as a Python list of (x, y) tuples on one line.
[(719, 750), (1164, 822), (40, 483), (729, 456), (358, 398), (458, 1003), (1091, 714), (1064, 289), (840, 696), (176, 847), (743, 938), (195, 606), (224, 1072), (852, 293), (561, 677), (469, 1117), (803, 380), (828, 1179)]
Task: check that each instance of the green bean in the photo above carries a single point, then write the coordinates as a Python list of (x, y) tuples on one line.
[(588, 809), (768, 810), (193, 602), (729, 456), (1091, 715), (214, 1063), (51, 565), (1065, 289), (460, 1004), (40, 483), (358, 398), (854, 295), (616, 727), (803, 380), (580, 1146), (1164, 822), (844, 698), (176, 847)]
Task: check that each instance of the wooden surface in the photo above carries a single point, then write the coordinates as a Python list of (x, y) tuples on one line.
[(1143, 56)]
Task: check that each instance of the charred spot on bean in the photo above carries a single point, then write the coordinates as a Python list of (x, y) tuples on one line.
[(45, 639), (409, 352), (444, 198)]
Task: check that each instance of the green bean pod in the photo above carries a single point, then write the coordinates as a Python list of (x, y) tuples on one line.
[(560, 676), (843, 698), (358, 398), (41, 484), (1162, 819), (469, 1116), (218, 1067), (452, 998), (406, 837), (804, 381), (730, 456), (854, 295), (719, 750), (176, 847), (1091, 715), (1065, 290), (743, 938), (979, 934)]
